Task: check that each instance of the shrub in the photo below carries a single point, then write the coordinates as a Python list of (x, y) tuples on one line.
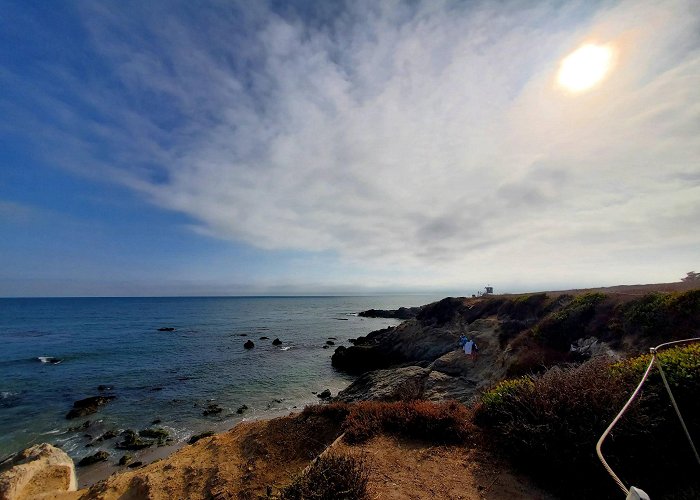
[(662, 315), (549, 424), (562, 327), (447, 421), (330, 477)]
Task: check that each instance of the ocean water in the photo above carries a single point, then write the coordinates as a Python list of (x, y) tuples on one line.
[(171, 376)]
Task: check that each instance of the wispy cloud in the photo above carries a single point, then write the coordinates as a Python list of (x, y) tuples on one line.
[(425, 135)]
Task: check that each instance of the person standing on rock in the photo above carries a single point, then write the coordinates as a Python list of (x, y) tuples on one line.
[(470, 349), (462, 341)]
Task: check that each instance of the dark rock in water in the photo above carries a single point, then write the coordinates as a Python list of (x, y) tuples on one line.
[(103, 387), (166, 329), (212, 409), (277, 342), (326, 394), (352, 341), (132, 441), (111, 434), (340, 319), (332, 338), (155, 433), (135, 465), (80, 427), (126, 458), (242, 334), (88, 406), (264, 338), (100, 456), (156, 421), (330, 342), (241, 409), (156, 389), (326, 346), (197, 437), (400, 313), (249, 344)]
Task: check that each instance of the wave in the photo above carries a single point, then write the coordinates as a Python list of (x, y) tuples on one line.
[(285, 348), (49, 359), (8, 394)]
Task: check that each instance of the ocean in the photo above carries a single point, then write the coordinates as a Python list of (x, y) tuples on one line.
[(59, 350)]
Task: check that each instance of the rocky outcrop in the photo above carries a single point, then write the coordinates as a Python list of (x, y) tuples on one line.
[(41, 469), (88, 406), (400, 313), (387, 385), (277, 342), (100, 456)]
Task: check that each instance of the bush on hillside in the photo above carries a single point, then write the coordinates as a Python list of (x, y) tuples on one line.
[(662, 315), (562, 327), (549, 424), (331, 477), (443, 422)]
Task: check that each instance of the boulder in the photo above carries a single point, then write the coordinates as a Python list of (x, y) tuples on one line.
[(326, 394), (100, 456), (241, 409), (155, 433), (41, 469), (88, 406), (277, 342), (197, 437), (249, 344), (126, 458), (394, 384), (132, 441)]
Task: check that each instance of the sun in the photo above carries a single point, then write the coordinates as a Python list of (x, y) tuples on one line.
[(585, 67)]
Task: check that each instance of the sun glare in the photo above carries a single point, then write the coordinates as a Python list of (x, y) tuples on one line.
[(585, 67)]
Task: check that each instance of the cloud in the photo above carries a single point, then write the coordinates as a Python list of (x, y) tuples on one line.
[(428, 134)]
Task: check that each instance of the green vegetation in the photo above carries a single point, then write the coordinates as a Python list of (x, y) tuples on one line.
[(659, 314), (330, 477), (562, 327), (549, 424)]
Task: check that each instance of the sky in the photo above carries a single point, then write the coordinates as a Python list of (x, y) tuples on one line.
[(251, 148)]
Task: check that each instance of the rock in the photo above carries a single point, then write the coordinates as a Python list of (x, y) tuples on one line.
[(166, 329), (111, 434), (80, 427), (332, 338), (197, 437), (439, 387), (134, 465), (395, 384), (155, 433), (242, 334), (264, 338), (88, 406), (249, 344), (126, 458), (400, 313), (241, 409), (132, 441), (212, 409), (100, 456), (156, 421), (41, 469), (156, 389), (326, 394), (330, 342), (103, 388), (326, 346), (277, 342)]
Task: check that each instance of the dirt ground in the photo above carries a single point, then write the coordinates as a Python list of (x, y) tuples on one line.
[(408, 470), (257, 458)]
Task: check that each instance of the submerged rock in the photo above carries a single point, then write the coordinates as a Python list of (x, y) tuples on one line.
[(197, 437), (103, 387), (132, 441), (88, 406), (100, 456), (155, 433), (264, 338), (166, 329), (249, 344), (212, 409), (41, 468)]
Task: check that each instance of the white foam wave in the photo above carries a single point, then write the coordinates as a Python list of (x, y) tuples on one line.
[(285, 348), (49, 359)]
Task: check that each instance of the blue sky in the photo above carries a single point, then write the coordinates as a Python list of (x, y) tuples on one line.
[(176, 148)]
